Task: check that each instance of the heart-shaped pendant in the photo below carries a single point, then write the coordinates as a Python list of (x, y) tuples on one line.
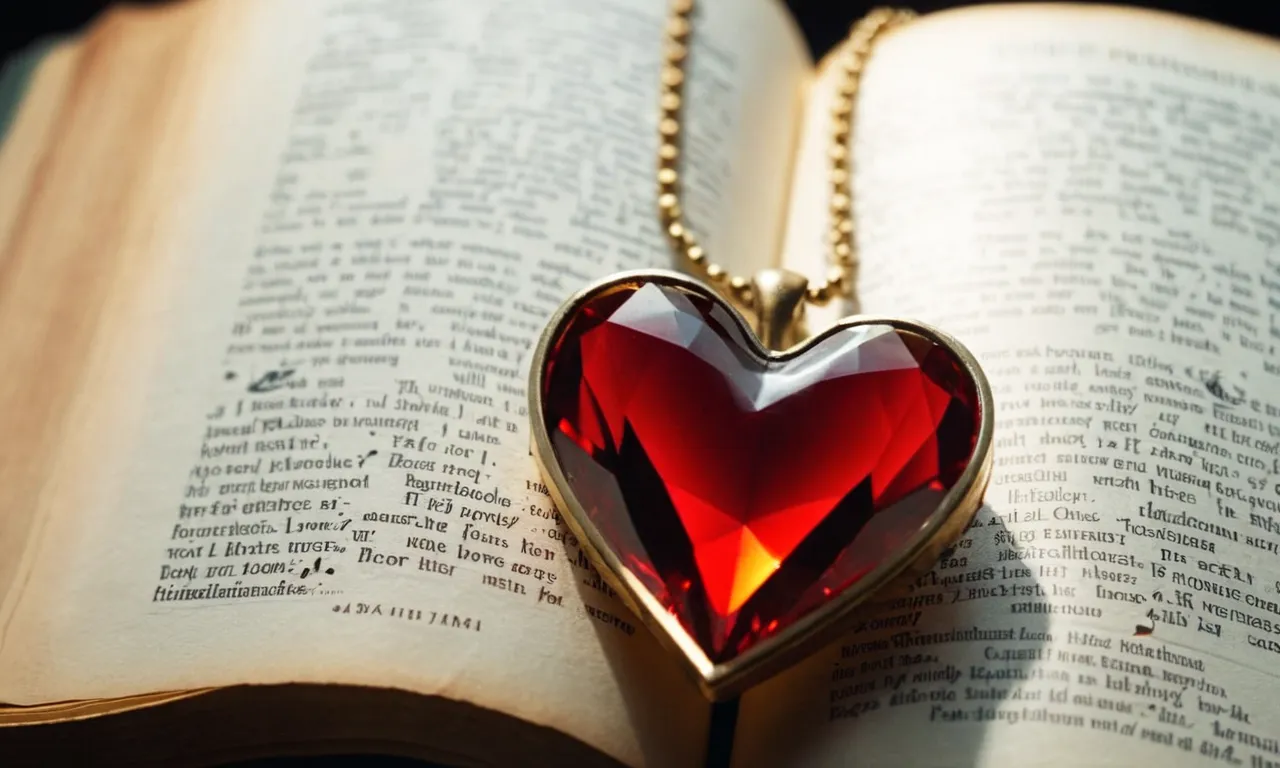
[(744, 502)]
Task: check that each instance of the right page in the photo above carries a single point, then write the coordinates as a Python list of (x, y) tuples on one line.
[(1089, 198)]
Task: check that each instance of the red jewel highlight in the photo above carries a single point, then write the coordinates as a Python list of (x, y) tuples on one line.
[(743, 492)]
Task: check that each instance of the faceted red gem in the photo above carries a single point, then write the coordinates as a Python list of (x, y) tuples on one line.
[(745, 492)]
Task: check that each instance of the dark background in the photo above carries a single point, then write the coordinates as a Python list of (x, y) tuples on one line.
[(824, 23)]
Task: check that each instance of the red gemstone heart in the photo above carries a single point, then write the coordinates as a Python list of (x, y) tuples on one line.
[(742, 490)]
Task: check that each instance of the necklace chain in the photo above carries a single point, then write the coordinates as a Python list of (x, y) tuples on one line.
[(838, 282)]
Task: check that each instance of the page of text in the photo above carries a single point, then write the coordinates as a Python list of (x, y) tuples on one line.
[(1090, 200), (325, 476)]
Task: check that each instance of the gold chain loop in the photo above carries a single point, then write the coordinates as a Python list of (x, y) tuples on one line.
[(842, 256)]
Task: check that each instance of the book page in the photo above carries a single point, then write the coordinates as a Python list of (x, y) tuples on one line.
[(305, 456), (25, 136), (77, 163), (24, 144), (1088, 199)]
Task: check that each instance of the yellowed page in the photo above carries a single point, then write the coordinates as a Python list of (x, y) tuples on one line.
[(300, 452), (1089, 198), (68, 198), (24, 150), (27, 139)]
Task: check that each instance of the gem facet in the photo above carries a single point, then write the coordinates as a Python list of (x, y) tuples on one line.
[(746, 491)]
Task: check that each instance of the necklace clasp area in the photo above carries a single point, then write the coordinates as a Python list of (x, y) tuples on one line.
[(776, 307)]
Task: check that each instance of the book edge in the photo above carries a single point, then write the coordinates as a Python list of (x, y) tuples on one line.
[(1040, 8), (70, 711), (17, 74)]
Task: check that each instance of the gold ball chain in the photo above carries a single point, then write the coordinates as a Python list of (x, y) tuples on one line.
[(852, 59)]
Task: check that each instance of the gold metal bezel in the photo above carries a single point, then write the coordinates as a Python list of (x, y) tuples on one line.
[(723, 680)]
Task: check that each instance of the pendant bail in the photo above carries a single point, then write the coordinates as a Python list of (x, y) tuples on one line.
[(777, 306)]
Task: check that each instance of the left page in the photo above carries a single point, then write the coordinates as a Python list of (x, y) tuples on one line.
[(300, 449), (25, 141)]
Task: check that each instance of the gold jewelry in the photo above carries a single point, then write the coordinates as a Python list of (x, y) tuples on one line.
[(744, 496), (838, 282)]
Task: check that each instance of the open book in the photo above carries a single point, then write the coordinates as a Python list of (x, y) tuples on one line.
[(269, 277)]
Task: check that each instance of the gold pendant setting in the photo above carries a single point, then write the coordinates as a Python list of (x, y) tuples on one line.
[(744, 502)]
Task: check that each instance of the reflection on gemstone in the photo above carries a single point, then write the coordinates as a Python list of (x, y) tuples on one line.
[(744, 492)]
